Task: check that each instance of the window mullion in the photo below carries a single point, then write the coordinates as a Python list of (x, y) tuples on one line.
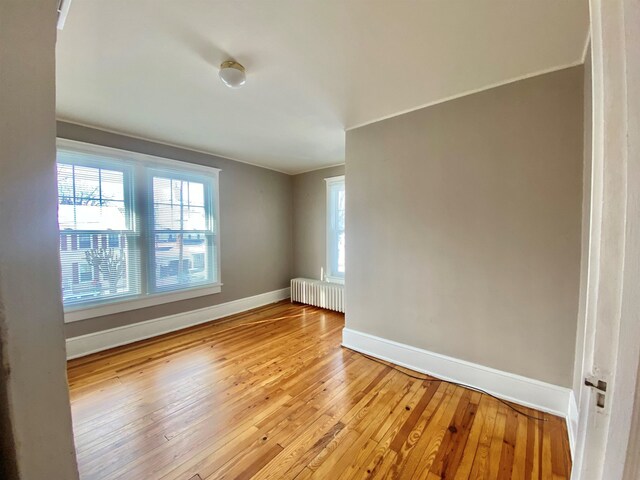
[(144, 211), (73, 183), (100, 186)]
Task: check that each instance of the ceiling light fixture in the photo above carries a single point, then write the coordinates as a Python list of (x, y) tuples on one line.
[(232, 74)]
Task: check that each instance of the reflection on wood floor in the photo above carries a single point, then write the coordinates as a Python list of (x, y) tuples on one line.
[(270, 393)]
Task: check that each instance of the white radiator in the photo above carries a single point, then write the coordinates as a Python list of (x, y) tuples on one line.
[(319, 294)]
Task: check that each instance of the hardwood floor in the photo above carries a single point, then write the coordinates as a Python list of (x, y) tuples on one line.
[(271, 394)]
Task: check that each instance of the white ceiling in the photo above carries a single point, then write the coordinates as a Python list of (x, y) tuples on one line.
[(148, 68)]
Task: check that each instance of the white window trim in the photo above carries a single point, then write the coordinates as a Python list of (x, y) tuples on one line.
[(328, 277), (75, 313)]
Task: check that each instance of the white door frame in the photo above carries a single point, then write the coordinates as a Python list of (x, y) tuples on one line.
[(608, 438), (622, 456)]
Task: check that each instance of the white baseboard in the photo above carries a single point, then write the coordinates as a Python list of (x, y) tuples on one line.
[(105, 339), (508, 386)]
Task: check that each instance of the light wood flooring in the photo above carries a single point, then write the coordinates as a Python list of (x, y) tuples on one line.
[(270, 393)]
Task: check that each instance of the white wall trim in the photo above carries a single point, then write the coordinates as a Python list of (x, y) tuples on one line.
[(315, 169), (79, 313), (573, 418), (115, 337), (508, 386)]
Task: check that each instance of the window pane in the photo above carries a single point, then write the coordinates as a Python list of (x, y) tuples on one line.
[(112, 185), (162, 190), (87, 185), (65, 184), (196, 194), (114, 240), (184, 257), (173, 217), (167, 217), (181, 259), (84, 240), (341, 258), (95, 270), (340, 209), (194, 218), (336, 228), (91, 198), (86, 273), (178, 204), (340, 224)]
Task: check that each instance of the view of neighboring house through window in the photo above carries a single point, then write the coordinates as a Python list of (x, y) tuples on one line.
[(132, 229), (114, 240), (335, 229), (86, 273), (181, 229), (94, 203)]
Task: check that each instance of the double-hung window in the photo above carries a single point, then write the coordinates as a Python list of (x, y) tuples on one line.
[(94, 204), (335, 229), (182, 233), (135, 230)]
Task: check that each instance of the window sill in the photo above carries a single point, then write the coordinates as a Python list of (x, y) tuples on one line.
[(330, 279), (75, 314)]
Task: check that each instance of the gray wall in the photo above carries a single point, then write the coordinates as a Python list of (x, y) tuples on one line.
[(310, 221), (255, 221), (464, 226), (37, 441)]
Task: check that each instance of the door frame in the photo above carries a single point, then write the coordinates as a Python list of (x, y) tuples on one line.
[(608, 437)]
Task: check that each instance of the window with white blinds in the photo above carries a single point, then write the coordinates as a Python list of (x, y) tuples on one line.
[(336, 208), (182, 250), (135, 230)]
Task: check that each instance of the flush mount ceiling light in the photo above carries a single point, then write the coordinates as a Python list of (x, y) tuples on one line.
[(232, 74)]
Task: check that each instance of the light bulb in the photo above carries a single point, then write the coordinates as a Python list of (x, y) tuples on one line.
[(232, 74)]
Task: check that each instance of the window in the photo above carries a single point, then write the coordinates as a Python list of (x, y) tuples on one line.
[(86, 273), (93, 200), (114, 240), (135, 230), (182, 253), (335, 229), (85, 239)]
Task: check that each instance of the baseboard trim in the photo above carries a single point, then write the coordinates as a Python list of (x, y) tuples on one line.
[(525, 391), (115, 337)]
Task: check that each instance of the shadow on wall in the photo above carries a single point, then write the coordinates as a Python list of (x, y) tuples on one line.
[(8, 466)]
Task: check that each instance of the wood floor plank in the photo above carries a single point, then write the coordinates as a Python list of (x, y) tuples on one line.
[(480, 462), (271, 394), (495, 450), (520, 450), (509, 439), (420, 459)]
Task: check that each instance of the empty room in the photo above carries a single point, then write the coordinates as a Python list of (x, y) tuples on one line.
[(319, 239)]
